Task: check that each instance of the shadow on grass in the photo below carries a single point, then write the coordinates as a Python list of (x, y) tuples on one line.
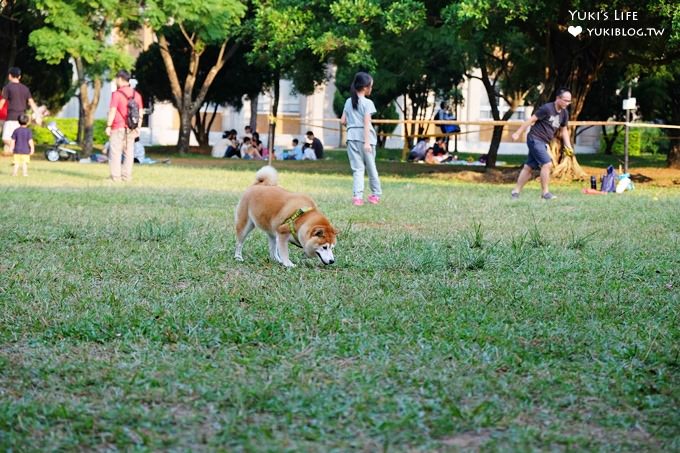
[(64, 172)]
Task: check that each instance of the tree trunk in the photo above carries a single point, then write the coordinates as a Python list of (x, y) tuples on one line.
[(81, 121), (184, 139), (564, 166), (673, 159), (183, 95), (87, 107), (88, 132), (492, 154), (198, 127), (9, 25), (274, 112), (253, 111), (610, 139), (202, 125)]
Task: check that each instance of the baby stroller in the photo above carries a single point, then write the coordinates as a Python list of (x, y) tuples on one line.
[(58, 151)]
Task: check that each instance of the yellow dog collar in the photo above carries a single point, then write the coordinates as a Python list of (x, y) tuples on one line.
[(290, 221)]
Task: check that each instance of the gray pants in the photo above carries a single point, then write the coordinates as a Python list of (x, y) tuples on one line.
[(121, 143), (361, 161)]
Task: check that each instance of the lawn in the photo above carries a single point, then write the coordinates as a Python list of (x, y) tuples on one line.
[(453, 318)]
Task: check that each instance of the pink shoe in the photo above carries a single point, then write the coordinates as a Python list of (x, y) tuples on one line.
[(374, 199), (357, 201)]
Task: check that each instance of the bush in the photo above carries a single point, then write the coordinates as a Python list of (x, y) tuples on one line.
[(640, 141), (654, 141), (69, 126)]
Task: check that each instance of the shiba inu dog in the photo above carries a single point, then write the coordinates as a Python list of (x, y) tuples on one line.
[(285, 217)]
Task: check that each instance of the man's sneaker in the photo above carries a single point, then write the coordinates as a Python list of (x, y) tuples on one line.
[(548, 196), (514, 195), (358, 201), (373, 199)]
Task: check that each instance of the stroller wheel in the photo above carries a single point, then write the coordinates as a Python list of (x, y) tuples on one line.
[(52, 155)]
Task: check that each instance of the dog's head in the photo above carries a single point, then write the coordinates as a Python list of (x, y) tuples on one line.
[(319, 241)]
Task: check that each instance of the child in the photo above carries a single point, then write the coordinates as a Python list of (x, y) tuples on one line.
[(296, 152), (361, 138), (22, 146)]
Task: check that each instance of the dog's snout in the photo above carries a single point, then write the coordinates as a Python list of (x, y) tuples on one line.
[(331, 261)]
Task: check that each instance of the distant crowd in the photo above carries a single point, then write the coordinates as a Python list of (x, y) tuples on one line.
[(250, 147)]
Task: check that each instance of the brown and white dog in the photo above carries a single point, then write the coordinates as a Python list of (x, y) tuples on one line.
[(285, 217)]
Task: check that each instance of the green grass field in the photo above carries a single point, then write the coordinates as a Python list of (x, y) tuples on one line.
[(453, 319)]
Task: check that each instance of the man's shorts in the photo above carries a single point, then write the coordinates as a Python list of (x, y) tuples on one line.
[(21, 158), (538, 154), (8, 129)]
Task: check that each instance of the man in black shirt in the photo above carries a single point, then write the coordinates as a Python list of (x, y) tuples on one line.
[(18, 97), (316, 144), (545, 122)]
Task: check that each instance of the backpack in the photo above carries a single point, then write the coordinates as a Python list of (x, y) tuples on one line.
[(449, 128), (132, 119)]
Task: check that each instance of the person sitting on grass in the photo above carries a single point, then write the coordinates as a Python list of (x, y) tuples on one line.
[(308, 153), (434, 159), (249, 150), (419, 151), (440, 148), (296, 153), (233, 149)]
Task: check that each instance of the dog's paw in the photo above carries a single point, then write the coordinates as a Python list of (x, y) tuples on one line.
[(289, 265), (238, 258)]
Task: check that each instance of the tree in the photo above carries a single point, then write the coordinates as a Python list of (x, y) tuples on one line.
[(281, 32), (362, 36), (81, 29), (236, 79), (604, 102), (49, 84), (576, 62), (508, 64), (201, 24), (659, 100)]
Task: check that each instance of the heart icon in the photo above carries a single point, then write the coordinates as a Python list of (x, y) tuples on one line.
[(575, 31)]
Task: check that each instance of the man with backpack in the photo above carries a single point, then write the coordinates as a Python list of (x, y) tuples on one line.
[(122, 127)]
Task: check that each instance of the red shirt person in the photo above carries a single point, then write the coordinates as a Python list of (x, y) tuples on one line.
[(121, 138)]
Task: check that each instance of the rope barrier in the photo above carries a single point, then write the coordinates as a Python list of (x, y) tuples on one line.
[(310, 122)]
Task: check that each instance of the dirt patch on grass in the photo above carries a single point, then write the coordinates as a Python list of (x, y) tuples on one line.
[(657, 177), (470, 441)]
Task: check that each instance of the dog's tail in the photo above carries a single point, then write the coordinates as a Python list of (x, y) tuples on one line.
[(267, 176)]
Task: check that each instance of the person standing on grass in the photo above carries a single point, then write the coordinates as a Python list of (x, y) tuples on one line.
[(21, 145), (361, 138), (122, 139), (548, 119), (16, 97)]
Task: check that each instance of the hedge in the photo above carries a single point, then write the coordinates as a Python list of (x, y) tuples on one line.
[(640, 141), (69, 126)]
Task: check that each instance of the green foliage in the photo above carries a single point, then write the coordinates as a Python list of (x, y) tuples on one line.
[(81, 29), (640, 141), (211, 21), (69, 126), (50, 84)]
